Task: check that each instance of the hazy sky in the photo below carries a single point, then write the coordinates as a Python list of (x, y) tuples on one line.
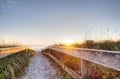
[(52, 21)]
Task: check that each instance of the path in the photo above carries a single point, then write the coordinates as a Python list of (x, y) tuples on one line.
[(40, 68)]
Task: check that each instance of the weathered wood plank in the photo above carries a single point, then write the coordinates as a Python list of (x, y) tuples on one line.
[(111, 59)]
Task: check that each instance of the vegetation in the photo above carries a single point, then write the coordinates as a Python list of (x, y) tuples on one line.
[(8, 45), (14, 65), (68, 76), (102, 72), (106, 45), (5, 44)]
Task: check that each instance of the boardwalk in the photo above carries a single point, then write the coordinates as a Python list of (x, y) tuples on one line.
[(40, 68)]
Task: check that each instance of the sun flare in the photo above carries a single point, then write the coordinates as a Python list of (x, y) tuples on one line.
[(68, 42)]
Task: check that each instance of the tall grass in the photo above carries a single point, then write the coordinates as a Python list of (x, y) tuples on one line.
[(105, 45), (14, 65), (4, 44), (9, 45)]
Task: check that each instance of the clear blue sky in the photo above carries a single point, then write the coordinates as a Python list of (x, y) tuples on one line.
[(36, 22)]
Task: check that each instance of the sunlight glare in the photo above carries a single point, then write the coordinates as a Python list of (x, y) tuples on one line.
[(68, 42)]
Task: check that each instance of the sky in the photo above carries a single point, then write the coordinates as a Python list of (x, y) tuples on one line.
[(44, 22)]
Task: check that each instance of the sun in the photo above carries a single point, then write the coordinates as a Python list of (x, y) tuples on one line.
[(68, 42)]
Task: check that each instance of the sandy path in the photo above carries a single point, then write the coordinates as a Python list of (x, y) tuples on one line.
[(40, 68)]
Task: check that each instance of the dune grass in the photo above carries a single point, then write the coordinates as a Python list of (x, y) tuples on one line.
[(14, 65), (92, 44), (9, 45), (6, 44)]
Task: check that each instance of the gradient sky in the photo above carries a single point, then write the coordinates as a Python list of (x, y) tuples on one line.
[(35, 22)]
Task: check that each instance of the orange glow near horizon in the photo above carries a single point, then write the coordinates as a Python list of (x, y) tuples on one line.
[(68, 42)]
